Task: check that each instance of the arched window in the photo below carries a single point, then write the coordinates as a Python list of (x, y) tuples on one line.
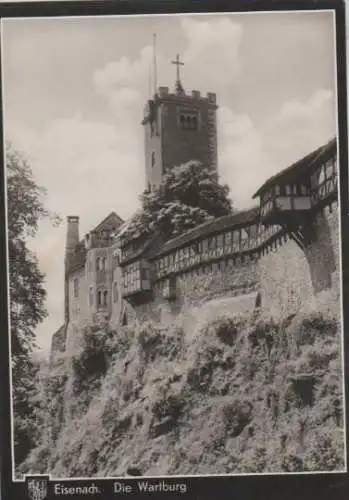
[(99, 298), (115, 291), (258, 302), (90, 297), (124, 319), (105, 299)]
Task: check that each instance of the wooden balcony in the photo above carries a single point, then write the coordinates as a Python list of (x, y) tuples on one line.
[(279, 208)]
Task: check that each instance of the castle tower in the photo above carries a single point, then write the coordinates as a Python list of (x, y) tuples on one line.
[(178, 127), (72, 240)]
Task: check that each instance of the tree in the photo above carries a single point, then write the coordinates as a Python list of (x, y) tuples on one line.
[(25, 209), (189, 195)]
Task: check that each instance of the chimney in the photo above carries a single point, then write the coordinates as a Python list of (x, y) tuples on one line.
[(72, 233), (70, 245)]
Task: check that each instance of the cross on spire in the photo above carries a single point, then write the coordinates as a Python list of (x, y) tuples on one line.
[(178, 63)]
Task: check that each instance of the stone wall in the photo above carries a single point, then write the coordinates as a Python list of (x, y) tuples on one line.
[(285, 279), (290, 276), (193, 289)]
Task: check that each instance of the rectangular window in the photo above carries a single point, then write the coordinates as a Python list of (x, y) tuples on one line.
[(115, 292), (227, 238), (76, 288), (153, 159), (288, 190), (277, 190), (329, 169), (244, 234)]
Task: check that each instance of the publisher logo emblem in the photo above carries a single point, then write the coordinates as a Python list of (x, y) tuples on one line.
[(37, 488)]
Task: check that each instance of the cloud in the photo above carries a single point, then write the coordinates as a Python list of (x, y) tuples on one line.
[(317, 103), (213, 51), (248, 155), (301, 126), (243, 159)]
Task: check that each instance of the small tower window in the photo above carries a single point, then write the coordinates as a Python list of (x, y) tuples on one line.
[(153, 159), (99, 298), (188, 119), (105, 299)]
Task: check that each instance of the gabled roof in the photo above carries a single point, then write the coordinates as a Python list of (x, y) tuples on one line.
[(299, 167), (211, 227), (109, 222)]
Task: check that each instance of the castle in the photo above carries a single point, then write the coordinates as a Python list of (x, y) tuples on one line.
[(276, 255)]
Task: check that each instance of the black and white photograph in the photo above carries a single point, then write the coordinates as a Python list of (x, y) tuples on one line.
[(173, 206)]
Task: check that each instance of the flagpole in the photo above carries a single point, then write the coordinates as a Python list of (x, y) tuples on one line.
[(154, 64)]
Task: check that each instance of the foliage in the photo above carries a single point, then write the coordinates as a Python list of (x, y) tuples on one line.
[(189, 195), (25, 209), (222, 399)]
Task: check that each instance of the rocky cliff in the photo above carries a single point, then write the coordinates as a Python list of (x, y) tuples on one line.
[(217, 393)]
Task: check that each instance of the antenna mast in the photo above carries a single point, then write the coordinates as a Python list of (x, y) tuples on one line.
[(154, 64)]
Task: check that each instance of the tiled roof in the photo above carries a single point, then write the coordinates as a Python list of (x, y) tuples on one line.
[(211, 227), (300, 166), (146, 248), (109, 222)]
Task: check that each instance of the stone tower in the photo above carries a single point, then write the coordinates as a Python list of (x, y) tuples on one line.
[(178, 127)]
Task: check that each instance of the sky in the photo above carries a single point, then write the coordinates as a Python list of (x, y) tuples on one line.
[(75, 89)]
